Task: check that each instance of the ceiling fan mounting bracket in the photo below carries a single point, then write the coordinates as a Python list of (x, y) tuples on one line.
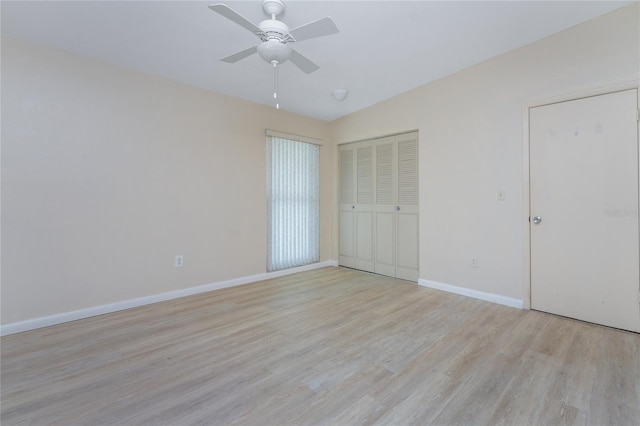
[(273, 8)]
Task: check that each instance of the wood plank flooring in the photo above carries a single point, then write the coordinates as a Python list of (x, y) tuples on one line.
[(329, 346)]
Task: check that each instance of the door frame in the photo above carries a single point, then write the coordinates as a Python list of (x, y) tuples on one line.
[(526, 202)]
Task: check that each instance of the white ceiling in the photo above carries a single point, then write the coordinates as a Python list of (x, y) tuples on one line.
[(384, 48)]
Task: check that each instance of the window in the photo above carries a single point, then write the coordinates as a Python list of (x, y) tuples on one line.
[(293, 201)]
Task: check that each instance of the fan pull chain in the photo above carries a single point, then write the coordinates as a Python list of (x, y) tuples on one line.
[(275, 82)]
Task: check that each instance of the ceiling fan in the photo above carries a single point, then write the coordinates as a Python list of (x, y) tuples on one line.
[(276, 35)]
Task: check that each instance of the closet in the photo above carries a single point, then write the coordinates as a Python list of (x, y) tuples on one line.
[(378, 219)]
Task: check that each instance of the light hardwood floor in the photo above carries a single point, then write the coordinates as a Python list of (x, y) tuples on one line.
[(330, 346)]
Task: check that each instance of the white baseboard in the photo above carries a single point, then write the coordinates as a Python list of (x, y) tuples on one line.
[(489, 297), (32, 324)]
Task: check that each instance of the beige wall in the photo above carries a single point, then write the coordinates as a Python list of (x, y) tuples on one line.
[(107, 174), (471, 145)]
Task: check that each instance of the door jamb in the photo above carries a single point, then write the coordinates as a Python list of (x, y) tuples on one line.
[(526, 201)]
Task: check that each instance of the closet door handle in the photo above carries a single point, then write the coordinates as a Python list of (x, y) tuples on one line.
[(397, 208), (353, 207)]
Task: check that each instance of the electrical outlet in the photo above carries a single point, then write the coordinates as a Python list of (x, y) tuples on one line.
[(179, 261), (474, 262)]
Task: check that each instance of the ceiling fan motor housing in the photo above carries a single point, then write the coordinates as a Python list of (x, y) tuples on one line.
[(274, 30)]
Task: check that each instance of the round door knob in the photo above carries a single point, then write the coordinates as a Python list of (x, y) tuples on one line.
[(397, 208), (353, 207), (536, 219)]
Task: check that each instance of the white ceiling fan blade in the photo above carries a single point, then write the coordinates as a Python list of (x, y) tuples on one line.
[(231, 14), (302, 62), (231, 59), (321, 27)]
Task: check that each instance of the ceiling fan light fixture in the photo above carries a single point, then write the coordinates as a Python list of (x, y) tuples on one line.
[(340, 94), (273, 50)]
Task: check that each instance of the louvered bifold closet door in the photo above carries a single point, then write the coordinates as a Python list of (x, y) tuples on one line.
[(407, 209), (384, 209), (347, 219), (379, 205), (365, 185)]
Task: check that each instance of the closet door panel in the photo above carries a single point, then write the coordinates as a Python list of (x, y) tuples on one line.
[(347, 228), (407, 254), (364, 245), (408, 172), (347, 219), (407, 249), (385, 232), (385, 174), (365, 175), (385, 263), (365, 185)]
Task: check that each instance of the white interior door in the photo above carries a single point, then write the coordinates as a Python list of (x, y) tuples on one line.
[(584, 190)]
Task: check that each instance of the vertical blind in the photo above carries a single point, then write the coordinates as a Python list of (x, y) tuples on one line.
[(293, 203)]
